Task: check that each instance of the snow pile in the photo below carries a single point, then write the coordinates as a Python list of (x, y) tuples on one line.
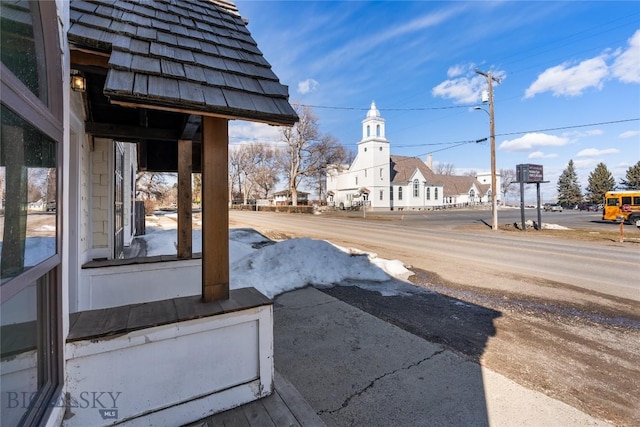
[(277, 267)]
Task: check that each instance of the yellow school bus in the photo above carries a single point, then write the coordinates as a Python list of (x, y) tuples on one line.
[(622, 205)]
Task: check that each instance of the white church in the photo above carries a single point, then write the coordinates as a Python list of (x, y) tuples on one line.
[(378, 180)]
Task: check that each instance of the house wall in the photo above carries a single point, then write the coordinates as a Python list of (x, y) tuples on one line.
[(101, 198), (106, 287), (172, 374)]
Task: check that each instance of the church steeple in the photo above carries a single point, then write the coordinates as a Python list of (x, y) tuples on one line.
[(373, 125)]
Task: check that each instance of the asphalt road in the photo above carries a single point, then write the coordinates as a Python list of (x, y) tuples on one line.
[(427, 239)]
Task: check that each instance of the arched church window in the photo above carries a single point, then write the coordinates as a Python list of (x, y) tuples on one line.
[(416, 188), (368, 131), (428, 193), (377, 130), (435, 193), (399, 193)]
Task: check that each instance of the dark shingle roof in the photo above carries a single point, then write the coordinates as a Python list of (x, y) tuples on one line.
[(192, 55), (403, 168)]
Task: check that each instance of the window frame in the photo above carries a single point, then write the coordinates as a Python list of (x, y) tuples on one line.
[(46, 118)]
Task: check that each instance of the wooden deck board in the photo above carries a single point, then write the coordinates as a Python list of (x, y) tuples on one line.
[(285, 407)]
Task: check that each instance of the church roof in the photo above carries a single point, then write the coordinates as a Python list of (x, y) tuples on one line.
[(186, 55), (403, 169), (373, 111)]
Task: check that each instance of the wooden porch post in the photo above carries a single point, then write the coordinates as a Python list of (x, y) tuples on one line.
[(215, 209), (185, 167)]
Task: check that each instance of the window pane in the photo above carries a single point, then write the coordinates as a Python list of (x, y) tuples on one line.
[(22, 47), (20, 355), (28, 189)]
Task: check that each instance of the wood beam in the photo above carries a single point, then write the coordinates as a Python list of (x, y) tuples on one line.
[(185, 167), (89, 59), (129, 133), (215, 209), (191, 126)]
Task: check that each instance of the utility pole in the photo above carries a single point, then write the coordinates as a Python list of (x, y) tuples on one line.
[(494, 204)]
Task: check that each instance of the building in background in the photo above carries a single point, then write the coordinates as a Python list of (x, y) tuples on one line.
[(379, 180)]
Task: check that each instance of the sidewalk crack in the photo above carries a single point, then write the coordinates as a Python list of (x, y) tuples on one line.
[(375, 380)]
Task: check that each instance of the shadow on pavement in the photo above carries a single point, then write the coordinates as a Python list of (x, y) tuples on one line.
[(360, 358)]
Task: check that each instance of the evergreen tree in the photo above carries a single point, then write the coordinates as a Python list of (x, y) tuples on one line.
[(632, 181), (569, 193), (600, 181)]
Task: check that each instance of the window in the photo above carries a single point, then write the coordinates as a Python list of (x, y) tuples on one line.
[(368, 131), (381, 194), (365, 173), (428, 193), (435, 193), (416, 188), (626, 200), (378, 131), (381, 177), (399, 193), (356, 180), (31, 133)]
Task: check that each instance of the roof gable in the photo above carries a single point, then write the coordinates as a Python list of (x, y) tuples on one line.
[(404, 168), (189, 55)]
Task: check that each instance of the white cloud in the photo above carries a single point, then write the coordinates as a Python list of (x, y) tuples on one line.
[(570, 80), (306, 86), (582, 134), (626, 67), (241, 132), (585, 163), (456, 70), (531, 141), (466, 89), (629, 134), (541, 155), (594, 152)]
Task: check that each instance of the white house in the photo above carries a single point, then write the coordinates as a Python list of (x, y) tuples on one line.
[(381, 181), (89, 338)]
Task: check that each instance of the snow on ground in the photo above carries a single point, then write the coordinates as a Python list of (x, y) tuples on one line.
[(277, 267)]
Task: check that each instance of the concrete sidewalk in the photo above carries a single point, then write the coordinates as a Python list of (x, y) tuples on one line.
[(357, 370)]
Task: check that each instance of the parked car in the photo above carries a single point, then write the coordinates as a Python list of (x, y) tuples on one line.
[(553, 207), (587, 207)]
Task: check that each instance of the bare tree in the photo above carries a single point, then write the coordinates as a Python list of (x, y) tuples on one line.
[(265, 174), (472, 172), (236, 162), (196, 193), (151, 185), (297, 159), (327, 152), (508, 178), (254, 168), (444, 169)]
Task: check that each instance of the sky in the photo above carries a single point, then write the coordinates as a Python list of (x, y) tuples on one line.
[(569, 76)]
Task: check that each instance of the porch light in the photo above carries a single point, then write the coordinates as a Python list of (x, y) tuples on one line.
[(78, 82)]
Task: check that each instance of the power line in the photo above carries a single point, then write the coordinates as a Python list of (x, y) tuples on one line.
[(329, 107), (569, 127)]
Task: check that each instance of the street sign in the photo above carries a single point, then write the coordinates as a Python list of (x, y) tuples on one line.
[(529, 173)]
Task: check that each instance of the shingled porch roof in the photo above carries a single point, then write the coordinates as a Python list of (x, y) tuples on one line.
[(194, 56)]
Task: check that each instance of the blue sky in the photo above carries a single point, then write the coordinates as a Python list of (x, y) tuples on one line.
[(567, 69)]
